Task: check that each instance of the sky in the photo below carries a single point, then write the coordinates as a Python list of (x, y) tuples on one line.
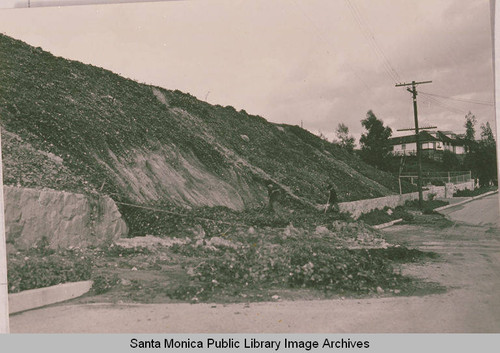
[(312, 62)]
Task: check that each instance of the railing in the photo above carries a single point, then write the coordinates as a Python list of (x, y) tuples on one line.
[(437, 178)]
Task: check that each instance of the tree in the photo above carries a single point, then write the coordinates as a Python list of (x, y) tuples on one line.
[(483, 157), (450, 161), (322, 136), (344, 140), (470, 131), (374, 144), (487, 134), (470, 141)]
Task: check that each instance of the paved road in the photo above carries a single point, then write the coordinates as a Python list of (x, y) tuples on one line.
[(470, 269), (483, 211)]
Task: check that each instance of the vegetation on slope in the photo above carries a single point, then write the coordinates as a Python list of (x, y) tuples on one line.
[(77, 127), (90, 118)]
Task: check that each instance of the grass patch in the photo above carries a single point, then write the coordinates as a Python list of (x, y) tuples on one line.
[(41, 266), (39, 269)]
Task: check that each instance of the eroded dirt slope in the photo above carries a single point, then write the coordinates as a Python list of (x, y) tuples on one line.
[(149, 145)]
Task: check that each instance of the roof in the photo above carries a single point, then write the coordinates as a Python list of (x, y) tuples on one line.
[(425, 136)]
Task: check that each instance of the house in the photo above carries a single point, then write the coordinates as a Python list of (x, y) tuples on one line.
[(433, 144)]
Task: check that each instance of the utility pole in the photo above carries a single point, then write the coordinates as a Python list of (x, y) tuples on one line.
[(413, 91)]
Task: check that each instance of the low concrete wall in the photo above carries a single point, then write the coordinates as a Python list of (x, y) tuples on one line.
[(64, 218), (35, 298), (357, 208)]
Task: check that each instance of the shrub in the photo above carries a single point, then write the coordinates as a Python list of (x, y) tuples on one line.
[(427, 204), (314, 261), (38, 270), (437, 182), (471, 193), (401, 212), (376, 216), (103, 283)]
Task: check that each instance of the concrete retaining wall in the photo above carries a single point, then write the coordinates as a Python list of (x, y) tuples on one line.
[(452, 188), (65, 219), (357, 208)]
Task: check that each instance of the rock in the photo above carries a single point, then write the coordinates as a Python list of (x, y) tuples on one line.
[(149, 241), (198, 232), (380, 290), (290, 230), (397, 291), (275, 297), (215, 242), (338, 226), (245, 138), (201, 242), (321, 230)]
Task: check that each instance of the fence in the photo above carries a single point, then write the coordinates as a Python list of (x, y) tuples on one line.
[(437, 178)]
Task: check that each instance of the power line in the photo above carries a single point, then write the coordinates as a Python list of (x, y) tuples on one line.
[(365, 32), (444, 105), (473, 101), (370, 37)]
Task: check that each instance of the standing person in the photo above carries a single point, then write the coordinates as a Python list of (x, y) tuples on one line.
[(273, 193), (332, 198)]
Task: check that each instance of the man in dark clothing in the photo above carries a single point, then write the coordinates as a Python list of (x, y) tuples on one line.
[(332, 198)]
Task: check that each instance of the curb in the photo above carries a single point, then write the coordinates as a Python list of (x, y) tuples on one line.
[(388, 224), (35, 298), (465, 201)]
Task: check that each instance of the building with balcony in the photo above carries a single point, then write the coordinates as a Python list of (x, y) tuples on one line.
[(433, 144)]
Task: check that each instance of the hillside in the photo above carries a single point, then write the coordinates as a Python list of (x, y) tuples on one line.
[(71, 126)]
